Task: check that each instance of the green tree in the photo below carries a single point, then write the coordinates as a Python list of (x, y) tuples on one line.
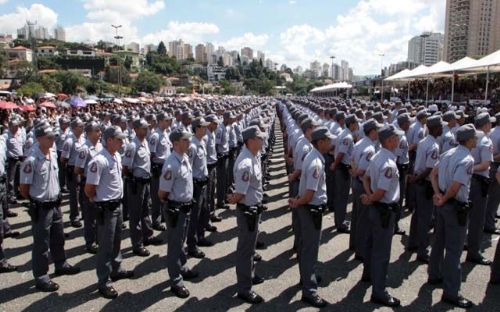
[(128, 62), (148, 82), (101, 45), (30, 88), (44, 62), (70, 81), (50, 83), (220, 62), (162, 50)]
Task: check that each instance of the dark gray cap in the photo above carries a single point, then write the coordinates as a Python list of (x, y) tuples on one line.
[(77, 123), (378, 116), (422, 114), (91, 126), (212, 118), (252, 132), (371, 124), (257, 122), (351, 119), (140, 123), (321, 133), (151, 117), (45, 131), (197, 122), (340, 115), (403, 118), (64, 120), (113, 132), (178, 135), (186, 115), (483, 119), (435, 121), (228, 115), (14, 122), (163, 116), (461, 114), (308, 123), (450, 115), (387, 131), (466, 132)]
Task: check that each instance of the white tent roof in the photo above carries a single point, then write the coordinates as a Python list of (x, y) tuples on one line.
[(436, 70), (396, 76), (490, 62), (415, 73), (465, 62), (339, 85)]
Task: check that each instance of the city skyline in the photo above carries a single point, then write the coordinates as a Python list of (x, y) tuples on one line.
[(294, 33)]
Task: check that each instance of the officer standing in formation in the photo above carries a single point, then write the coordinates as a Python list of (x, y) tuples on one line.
[(14, 144), (39, 183), (451, 179), (104, 189), (222, 144), (247, 196), (310, 204), (403, 162), (494, 191), (176, 191), (210, 145)]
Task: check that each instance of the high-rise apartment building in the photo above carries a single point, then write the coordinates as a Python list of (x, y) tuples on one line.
[(261, 56), (200, 54), (472, 28), (426, 49), (59, 33), (134, 47), (248, 52), (42, 33), (176, 48)]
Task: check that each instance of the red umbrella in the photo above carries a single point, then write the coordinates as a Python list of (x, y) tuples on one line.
[(28, 108), (8, 105), (62, 95), (48, 105)]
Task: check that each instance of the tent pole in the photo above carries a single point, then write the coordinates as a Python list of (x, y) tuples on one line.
[(427, 92), (408, 91), (452, 86), (487, 82)]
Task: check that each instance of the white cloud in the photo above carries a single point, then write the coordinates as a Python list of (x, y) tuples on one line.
[(3, 1), (126, 9), (247, 40), (189, 32), (44, 16)]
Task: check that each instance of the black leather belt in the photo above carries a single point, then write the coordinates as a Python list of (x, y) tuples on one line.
[(14, 159), (212, 166), (109, 204), (142, 180), (200, 182), (184, 207), (47, 204), (392, 207)]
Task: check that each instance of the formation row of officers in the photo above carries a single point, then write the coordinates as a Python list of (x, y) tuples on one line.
[(447, 172), (178, 167)]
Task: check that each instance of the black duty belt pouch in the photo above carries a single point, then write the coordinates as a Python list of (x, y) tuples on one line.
[(385, 212), (251, 214), (484, 182), (462, 210), (69, 173), (156, 170), (316, 214), (345, 170), (429, 191)]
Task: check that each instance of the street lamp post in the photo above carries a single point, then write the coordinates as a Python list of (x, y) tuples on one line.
[(333, 78), (117, 38), (381, 75)]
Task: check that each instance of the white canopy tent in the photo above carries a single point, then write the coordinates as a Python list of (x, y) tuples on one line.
[(331, 87)]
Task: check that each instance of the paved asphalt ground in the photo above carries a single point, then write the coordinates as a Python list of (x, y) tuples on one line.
[(214, 289)]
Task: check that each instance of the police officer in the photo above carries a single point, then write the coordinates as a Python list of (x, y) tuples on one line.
[(381, 184), (197, 154), (69, 154), (104, 189), (63, 134), (210, 145), (176, 191), (39, 184), (222, 145), (495, 267), (426, 159), (341, 166), (14, 143), (160, 146), (248, 196), (494, 191), (450, 181), (447, 140), (86, 153), (137, 168), (403, 162), (483, 156)]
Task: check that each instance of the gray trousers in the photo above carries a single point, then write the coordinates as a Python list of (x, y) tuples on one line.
[(447, 248), (210, 193), (330, 181), (155, 201), (342, 188), (495, 266), (140, 223), (62, 171), (362, 225), (196, 228), (222, 167), (109, 256), (74, 196), (89, 220), (3, 260), (125, 200), (13, 178), (296, 227), (378, 253), (47, 235), (421, 222), (308, 250), (403, 183), (357, 191), (476, 220), (176, 237), (493, 202), (245, 249)]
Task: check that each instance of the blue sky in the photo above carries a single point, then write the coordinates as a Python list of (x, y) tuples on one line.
[(294, 32)]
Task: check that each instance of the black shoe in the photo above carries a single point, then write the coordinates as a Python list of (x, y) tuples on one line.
[(412, 249), (343, 229), (12, 201), (359, 258), (494, 231), (108, 292), (11, 234), (48, 287), (215, 218), (92, 249), (466, 248), (225, 206), (190, 275), (180, 292), (11, 214), (203, 242), (141, 252), (399, 231), (159, 227), (366, 279), (423, 259), (319, 279), (198, 254), (260, 245), (8, 268), (480, 261), (256, 280), (390, 301), (250, 297), (460, 302), (257, 257), (76, 224), (122, 275), (265, 208), (265, 201), (315, 300), (211, 228), (64, 191), (66, 235), (495, 282), (69, 270), (124, 226), (435, 282), (155, 241)]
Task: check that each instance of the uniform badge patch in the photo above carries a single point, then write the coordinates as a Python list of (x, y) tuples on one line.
[(190, 152), (491, 148), (421, 135), (469, 171), (345, 141), (388, 173), (246, 176), (82, 155), (168, 175), (218, 135), (128, 154), (368, 156), (65, 147), (152, 142), (93, 168), (27, 168), (434, 155), (401, 145), (304, 156), (316, 173)]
